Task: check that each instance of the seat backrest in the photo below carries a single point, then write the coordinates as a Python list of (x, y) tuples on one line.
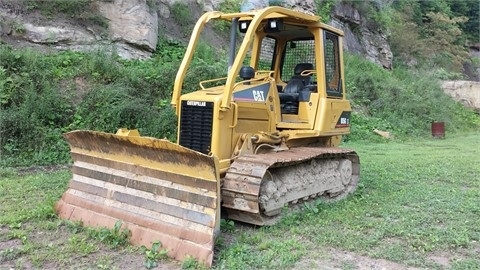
[(299, 68), (297, 82)]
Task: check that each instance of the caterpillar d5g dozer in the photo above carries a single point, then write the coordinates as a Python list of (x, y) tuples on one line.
[(264, 137)]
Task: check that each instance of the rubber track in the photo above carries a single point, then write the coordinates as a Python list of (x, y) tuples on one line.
[(241, 184)]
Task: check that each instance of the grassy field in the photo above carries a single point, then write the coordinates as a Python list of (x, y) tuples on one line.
[(418, 206)]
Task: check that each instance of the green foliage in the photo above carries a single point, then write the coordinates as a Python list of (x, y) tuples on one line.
[(429, 33), (443, 36), (414, 201), (84, 11), (227, 225), (152, 5), (7, 173), (191, 263), (183, 16), (19, 206), (155, 254), (377, 13), (424, 33), (44, 95), (33, 109), (169, 50), (227, 6), (266, 249), (324, 9), (275, 2), (42, 240), (114, 237), (59, 6), (404, 102), (81, 245), (450, 8)]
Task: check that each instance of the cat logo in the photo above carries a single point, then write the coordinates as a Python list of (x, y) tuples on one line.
[(258, 95)]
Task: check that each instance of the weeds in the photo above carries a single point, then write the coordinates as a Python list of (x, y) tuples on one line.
[(227, 225), (153, 255), (7, 173), (228, 6), (191, 263), (114, 237), (182, 14), (81, 245)]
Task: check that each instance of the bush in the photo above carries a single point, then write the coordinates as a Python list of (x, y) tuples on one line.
[(183, 16), (111, 107), (33, 109), (44, 95), (404, 102)]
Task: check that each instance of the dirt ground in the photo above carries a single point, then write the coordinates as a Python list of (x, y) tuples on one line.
[(338, 259), (11, 256), (125, 258)]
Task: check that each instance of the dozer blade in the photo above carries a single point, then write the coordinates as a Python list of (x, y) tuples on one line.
[(159, 190)]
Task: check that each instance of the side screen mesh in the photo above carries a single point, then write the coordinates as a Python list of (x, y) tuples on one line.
[(332, 65), (297, 51), (267, 52)]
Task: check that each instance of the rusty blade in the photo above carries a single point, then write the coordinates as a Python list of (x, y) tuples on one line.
[(159, 190)]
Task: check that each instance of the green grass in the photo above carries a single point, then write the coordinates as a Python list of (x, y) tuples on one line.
[(31, 235), (416, 201)]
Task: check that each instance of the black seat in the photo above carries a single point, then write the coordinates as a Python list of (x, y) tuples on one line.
[(289, 96), (298, 82)]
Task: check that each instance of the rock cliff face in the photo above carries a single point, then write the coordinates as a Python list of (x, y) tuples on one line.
[(132, 29), (466, 92), (133, 26), (24, 31), (360, 38)]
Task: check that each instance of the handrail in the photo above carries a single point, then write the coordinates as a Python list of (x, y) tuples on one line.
[(209, 81), (247, 81), (235, 115), (270, 72), (308, 72)]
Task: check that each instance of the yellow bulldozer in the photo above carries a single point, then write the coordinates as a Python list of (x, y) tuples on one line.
[(249, 145)]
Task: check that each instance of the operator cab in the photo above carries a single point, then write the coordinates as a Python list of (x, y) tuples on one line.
[(306, 67)]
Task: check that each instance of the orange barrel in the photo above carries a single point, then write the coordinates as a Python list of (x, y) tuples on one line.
[(438, 129)]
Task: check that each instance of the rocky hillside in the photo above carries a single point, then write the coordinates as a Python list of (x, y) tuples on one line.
[(132, 27)]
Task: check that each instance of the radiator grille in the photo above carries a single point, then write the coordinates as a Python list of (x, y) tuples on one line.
[(196, 126)]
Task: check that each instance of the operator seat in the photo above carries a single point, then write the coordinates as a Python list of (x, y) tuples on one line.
[(298, 82), (289, 97)]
